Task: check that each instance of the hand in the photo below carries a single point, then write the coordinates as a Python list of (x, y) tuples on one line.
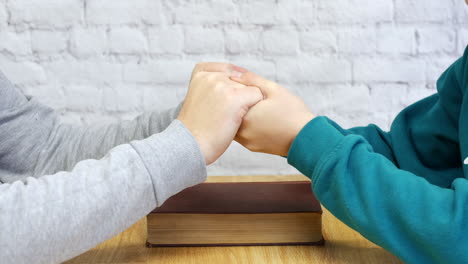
[(215, 106), (272, 125), (227, 68)]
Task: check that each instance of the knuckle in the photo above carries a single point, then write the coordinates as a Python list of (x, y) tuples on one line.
[(219, 85), (199, 75), (228, 95), (223, 66), (210, 77), (234, 90)]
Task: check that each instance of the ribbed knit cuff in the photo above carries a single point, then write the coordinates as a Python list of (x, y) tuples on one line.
[(315, 141), (173, 159)]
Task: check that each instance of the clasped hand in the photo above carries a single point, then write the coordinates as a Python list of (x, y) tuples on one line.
[(225, 102)]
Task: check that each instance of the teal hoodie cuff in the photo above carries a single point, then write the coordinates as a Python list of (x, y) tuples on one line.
[(317, 140)]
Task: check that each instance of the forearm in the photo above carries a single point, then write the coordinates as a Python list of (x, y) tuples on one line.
[(394, 208), (71, 144), (34, 142), (56, 217), (379, 140), (422, 140)]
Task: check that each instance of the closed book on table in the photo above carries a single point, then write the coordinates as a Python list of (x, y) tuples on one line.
[(239, 213)]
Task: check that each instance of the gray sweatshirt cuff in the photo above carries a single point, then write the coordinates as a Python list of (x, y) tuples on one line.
[(173, 159)]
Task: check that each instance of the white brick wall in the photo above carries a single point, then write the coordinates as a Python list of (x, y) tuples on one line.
[(357, 61)]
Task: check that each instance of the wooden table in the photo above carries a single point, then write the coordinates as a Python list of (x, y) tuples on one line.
[(343, 245)]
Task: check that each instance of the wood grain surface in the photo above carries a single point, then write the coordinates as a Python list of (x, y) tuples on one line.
[(343, 245)]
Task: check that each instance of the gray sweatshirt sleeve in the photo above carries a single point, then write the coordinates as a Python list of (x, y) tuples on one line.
[(54, 206), (34, 142), (56, 217)]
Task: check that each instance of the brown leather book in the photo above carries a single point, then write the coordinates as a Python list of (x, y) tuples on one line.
[(241, 213)]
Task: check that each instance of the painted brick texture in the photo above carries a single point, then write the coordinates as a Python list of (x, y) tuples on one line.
[(356, 61)]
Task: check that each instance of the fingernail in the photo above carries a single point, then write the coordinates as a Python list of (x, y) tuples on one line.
[(239, 69), (236, 74)]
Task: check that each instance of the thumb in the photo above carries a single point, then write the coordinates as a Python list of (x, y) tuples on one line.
[(251, 79)]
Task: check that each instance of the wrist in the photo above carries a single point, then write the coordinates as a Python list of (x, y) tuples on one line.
[(204, 148), (202, 143), (300, 122)]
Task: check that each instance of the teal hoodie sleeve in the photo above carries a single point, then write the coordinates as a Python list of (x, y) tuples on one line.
[(403, 189), (424, 137)]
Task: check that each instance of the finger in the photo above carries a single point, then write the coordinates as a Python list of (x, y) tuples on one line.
[(251, 95), (222, 77), (228, 68), (241, 86), (232, 83), (251, 79)]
